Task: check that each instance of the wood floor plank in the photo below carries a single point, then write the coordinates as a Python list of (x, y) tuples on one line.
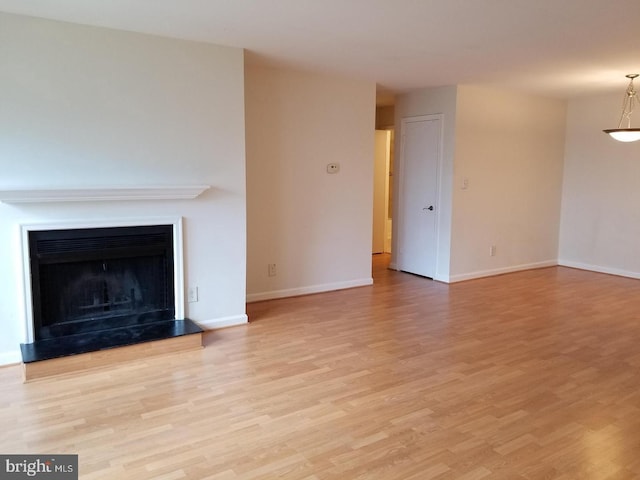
[(532, 375)]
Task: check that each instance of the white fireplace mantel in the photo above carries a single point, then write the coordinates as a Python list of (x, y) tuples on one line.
[(92, 194)]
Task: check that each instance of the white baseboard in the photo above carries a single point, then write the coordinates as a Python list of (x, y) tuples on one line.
[(10, 358), (294, 292), (500, 271), (223, 322), (599, 269), (442, 278)]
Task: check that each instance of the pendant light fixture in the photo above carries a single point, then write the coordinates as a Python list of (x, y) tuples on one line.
[(626, 134)]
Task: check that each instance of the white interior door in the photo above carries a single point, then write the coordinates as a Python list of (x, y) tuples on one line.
[(420, 159)]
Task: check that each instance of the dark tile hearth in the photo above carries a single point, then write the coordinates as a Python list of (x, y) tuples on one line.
[(105, 339)]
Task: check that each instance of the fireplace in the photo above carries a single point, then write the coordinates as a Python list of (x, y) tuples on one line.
[(102, 287), (91, 279)]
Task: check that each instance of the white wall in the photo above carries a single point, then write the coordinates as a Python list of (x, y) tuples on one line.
[(426, 102), (90, 106), (600, 224), (314, 226), (510, 148)]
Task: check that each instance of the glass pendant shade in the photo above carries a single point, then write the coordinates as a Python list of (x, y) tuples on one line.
[(624, 134), (621, 133)]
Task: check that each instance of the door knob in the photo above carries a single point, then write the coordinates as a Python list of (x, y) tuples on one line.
[(430, 207)]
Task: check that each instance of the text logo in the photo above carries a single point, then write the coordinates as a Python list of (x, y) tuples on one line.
[(49, 467)]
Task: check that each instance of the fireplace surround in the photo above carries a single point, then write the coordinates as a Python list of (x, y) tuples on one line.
[(102, 285)]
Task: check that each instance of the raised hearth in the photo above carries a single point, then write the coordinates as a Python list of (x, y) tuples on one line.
[(111, 357), (104, 339)]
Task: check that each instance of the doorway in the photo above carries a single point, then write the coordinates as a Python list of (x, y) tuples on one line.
[(382, 192)]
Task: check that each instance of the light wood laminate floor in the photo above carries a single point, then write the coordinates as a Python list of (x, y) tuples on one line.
[(532, 375)]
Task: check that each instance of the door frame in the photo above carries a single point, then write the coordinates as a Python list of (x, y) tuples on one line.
[(399, 197)]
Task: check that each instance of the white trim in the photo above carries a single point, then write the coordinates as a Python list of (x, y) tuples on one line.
[(11, 357), (223, 322), (499, 271), (442, 278), (178, 267), (91, 194), (599, 269), (294, 292)]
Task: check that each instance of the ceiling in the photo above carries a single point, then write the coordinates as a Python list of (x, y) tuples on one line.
[(560, 48)]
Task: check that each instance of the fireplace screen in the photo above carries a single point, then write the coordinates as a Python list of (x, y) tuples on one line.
[(103, 278)]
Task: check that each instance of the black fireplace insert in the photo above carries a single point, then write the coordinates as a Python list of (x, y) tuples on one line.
[(93, 279)]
